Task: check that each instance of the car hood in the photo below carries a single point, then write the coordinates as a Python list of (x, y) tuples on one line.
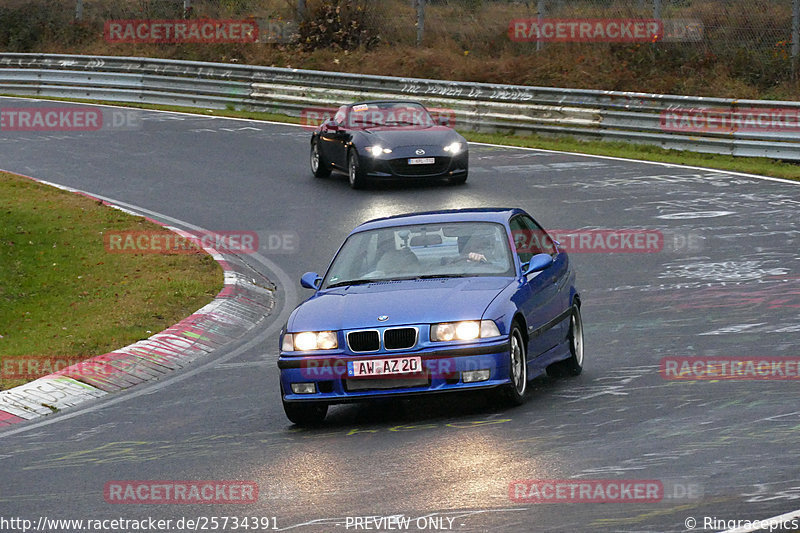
[(392, 137), (403, 302)]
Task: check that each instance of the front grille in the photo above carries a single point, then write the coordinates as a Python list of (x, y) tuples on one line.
[(364, 341), (401, 167), (385, 383), (399, 338)]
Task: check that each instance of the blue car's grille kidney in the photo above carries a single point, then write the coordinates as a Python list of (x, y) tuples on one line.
[(399, 338), (364, 341)]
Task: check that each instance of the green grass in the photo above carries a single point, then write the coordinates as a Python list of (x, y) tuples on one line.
[(750, 165), (63, 295)]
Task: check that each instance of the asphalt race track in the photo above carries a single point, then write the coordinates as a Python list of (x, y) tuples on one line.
[(726, 283)]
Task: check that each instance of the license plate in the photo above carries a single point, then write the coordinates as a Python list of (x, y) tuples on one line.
[(384, 367), (422, 161)]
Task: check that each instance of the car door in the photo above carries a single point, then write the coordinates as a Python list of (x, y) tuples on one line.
[(539, 294), (333, 137)]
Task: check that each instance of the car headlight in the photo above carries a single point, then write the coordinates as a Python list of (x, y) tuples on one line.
[(466, 330), (378, 150), (309, 340), (454, 148)]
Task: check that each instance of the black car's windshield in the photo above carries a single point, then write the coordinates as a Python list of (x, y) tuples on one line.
[(390, 114), (423, 251)]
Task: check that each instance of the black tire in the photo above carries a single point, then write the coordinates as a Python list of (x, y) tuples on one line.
[(354, 172), (319, 167), (459, 180), (517, 367), (305, 413), (573, 365)]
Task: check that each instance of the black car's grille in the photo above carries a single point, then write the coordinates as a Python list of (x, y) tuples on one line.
[(399, 338), (364, 341), (401, 167)]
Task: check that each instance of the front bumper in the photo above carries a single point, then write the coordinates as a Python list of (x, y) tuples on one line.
[(445, 166), (442, 372)]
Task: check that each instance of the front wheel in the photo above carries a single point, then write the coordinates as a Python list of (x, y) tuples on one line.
[(305, 414), (573, 365), (354, 172), (459, 180), (318, 165), (518, 367)]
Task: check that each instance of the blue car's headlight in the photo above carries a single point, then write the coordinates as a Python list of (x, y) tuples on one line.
[(465, 330), (454, 148), (309, 340), (378, 150)]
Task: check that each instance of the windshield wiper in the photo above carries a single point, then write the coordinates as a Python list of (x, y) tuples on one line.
[(433, 276), (352, 282)]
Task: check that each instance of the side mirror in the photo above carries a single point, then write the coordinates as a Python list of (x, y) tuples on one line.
[(310, 280), (443, 120), (537, 263)]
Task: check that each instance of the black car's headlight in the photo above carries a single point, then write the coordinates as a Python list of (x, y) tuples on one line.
[(454, 148), (378, 150), (309, 340), (466, 330)]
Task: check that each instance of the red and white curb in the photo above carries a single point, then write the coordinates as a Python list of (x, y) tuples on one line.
[(237, 308)]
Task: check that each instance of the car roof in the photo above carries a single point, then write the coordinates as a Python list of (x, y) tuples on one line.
[(483, 214)]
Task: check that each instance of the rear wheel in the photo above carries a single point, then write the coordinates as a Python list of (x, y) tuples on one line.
[(518, 367), (318, 165), (573, 365), (305, 414), (354, 172)]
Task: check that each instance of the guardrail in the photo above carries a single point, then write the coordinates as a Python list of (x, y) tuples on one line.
[(765, 129)]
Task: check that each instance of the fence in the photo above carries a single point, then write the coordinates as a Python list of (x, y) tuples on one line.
[(713, 125)]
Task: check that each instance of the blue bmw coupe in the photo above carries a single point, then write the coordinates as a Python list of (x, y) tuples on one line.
[(432, 302)]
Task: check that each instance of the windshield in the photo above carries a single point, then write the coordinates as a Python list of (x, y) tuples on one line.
[(424, 251), (389, 114)]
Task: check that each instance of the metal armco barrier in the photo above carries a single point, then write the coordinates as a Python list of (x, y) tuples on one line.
[(769, 129)]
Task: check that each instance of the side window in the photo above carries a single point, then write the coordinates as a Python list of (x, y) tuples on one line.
[(529, 238), (520, 236)]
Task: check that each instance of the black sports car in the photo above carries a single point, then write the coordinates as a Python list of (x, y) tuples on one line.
[(388, 140)]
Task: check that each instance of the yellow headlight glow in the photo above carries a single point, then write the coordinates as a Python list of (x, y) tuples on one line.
[(466, 330), (314, 340)]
